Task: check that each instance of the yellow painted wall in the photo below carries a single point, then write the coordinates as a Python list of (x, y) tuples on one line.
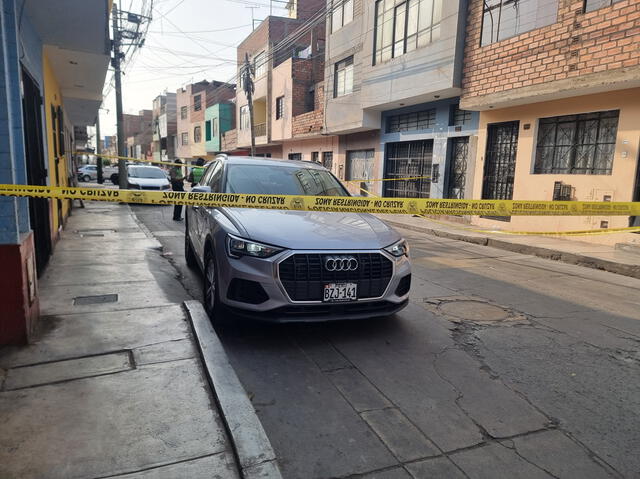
[(529, 186), (53, 97)]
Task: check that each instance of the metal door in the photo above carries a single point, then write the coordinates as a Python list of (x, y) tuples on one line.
[(360, 165), (500, 162), (635, 220), (36, 171), (457, 177), (409, 159)]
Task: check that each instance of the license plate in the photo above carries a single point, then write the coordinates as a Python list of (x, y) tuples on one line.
[(335, 292)]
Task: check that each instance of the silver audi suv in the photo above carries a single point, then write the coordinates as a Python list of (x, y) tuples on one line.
[(283, 266)]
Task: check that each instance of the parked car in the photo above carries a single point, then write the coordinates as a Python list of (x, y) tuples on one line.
[(141, 177), (292, 265), (90, 172), (87, 173)]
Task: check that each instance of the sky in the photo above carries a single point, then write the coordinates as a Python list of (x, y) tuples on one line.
[(187, 41)]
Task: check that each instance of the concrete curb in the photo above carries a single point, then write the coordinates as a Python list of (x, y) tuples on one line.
[(251, 444), (547, 253)]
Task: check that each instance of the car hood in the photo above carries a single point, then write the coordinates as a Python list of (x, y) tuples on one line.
[(149, 181), (312, 230)]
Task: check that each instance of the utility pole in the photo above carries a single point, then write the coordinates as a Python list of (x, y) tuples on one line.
[(115, 61), (132, 37), (99, 150), (248, 87), (253, 24)]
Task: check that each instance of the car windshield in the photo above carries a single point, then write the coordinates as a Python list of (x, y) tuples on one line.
[(145, 172), (274, 180)]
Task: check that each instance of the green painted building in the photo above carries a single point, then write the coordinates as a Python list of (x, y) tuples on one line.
[(218, 119)]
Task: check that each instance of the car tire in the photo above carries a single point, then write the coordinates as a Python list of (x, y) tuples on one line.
[(86, 178), (189, 254), (114, 178), (210, 293)]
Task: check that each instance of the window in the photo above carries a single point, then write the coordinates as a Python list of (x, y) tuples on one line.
[(214, 127), (405, 25), (315, 156), (197, 134), (295, 156), (420, 120), (343, 78), (183, 113), (260, 64), (591, 5), (185, 138), (197, 103), (244, 117), (279, 107), (460, 117), (341, 14), (327, 160), (577, 144), (207, 130), (503, 19)]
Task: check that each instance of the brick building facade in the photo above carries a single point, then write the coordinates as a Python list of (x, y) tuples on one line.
[(559, 100)]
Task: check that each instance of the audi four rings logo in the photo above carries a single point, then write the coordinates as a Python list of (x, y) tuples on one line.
[(340, 263)]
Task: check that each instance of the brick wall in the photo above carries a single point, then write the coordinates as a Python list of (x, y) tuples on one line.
[(311, 122), (599, 43), (229, 140)]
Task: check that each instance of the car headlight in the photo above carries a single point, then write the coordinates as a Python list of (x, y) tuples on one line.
[(398, 249), (133, 186), (237, 247)]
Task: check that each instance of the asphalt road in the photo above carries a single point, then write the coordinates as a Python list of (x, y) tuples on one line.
[(503, 365)]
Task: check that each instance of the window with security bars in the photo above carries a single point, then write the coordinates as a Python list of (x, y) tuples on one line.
[(405, 25), (244, 117), (279, 107), (327, 159), (408, 159), (591, 5), (502, 19), (185, 138), (577, 144), (460, 117), (420, 120), (197, 134), (197, 103), (183, 113), (295, 156)]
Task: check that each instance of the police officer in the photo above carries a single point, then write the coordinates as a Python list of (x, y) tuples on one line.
[(177, 184), (196, 172)]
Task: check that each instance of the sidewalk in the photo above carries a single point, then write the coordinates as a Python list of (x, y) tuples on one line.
[(113, 385), (624, 259)]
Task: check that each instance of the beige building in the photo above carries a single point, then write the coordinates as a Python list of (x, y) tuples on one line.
[(560, 107)]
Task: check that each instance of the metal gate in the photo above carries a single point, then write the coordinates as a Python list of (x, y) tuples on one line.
[(360, 167), (408, 159), (500, 162), (36, 171), (458, 167)]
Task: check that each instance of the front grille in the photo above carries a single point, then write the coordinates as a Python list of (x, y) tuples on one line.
[(304, 275), (150, 187)]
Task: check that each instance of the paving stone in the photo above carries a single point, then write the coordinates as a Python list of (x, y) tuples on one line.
[(92, 427), (210, 467), (404, 440), (495, 461), (395, 473), (64, 370), (166, 351), (436, 468), (358, 390)]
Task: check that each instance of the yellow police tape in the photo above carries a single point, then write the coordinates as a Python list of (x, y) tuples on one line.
[(408, 206), (366, 180)]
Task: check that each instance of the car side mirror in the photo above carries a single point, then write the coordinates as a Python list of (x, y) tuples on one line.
[(201, 189)]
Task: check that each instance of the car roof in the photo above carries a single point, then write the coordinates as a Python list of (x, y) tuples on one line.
[(252, 160), (145, 166)]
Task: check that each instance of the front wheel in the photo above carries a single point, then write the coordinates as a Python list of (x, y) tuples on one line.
[(86, 178), (114, 178), (189, 255), (211, 296)]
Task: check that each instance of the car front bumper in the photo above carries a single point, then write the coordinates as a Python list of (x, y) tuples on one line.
[(239, 275)]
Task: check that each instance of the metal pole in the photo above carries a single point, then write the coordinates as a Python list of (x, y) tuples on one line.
[(99, 149), (122, 166)]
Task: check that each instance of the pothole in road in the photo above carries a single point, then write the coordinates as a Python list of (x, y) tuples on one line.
[(476, 311)]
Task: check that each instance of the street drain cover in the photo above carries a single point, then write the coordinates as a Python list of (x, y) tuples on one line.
[(98, 299), (474, 311)]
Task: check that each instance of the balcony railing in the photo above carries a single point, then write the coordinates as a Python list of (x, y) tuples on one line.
[(260, 129)]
